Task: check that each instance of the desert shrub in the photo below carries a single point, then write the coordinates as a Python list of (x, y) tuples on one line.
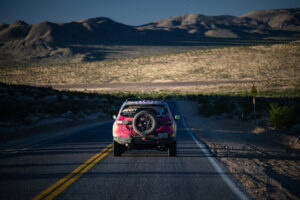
[(59, 97), (11, 93), (281, 116), (71, 96), (207, 110), (15, 110), (224, 105), (215, 105), (202, 99), (246, 107)]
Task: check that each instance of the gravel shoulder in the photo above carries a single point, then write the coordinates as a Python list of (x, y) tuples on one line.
[(259, 157)]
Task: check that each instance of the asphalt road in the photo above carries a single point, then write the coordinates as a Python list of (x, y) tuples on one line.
[(45, 172)]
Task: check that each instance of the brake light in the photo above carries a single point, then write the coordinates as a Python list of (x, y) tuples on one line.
[(122, 122)]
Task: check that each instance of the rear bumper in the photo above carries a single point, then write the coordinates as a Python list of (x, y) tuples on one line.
[(148, 142)]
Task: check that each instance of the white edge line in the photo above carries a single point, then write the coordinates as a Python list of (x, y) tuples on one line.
[(225, 178)]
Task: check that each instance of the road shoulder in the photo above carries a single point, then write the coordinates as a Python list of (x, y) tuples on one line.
[(253, 154)]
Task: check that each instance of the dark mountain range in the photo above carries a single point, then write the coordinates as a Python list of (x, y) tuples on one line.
[(88, 39)]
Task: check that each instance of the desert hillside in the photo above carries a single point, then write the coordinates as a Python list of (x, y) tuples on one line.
[(102, 38), (286, 19), (229, 69)]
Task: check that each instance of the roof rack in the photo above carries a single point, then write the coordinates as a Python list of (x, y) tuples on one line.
[(143, 101)]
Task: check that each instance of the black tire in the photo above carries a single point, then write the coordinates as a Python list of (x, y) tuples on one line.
[(144, 123), (118, 149), (172, 150)]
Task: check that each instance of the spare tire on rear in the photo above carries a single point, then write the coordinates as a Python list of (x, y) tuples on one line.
[(144, 123)]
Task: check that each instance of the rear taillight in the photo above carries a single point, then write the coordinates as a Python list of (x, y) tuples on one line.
[(122, 122)]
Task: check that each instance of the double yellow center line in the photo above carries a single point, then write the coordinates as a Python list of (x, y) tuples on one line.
[(62, 184)]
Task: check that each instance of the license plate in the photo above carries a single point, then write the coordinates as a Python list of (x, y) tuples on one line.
[(163, 135)]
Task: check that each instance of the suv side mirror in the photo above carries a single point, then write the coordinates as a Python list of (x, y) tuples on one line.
[(114, 117), (177, 117)]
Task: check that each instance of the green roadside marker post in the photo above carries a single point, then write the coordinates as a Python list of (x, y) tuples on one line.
[(254, 93)]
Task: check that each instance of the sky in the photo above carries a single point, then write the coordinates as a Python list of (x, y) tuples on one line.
[(130, 12)]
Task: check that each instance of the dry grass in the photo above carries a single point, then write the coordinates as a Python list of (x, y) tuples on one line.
[(272, 67)]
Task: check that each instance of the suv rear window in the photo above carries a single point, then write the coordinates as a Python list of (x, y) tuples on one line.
[(131, 110)]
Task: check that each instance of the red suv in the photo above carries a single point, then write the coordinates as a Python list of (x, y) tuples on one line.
[(144, 124)]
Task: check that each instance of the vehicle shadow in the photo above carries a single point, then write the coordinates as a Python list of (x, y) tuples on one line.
[(181, 152)]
